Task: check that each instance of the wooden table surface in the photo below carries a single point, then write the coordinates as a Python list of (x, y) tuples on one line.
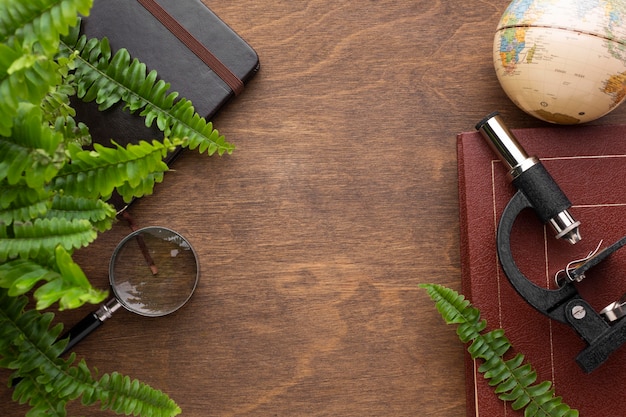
[(313, 236)]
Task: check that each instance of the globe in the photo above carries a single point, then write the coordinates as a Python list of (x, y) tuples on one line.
[(563, 61)]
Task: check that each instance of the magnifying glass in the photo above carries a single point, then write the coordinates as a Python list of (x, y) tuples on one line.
[(153, 272)]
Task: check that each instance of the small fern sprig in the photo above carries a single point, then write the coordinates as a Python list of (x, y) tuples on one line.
[(513, 379)]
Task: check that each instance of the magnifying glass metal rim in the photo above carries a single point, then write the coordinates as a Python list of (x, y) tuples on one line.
[(121, 245)]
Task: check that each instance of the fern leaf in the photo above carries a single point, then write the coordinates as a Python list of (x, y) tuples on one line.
[(59, 113), (32, 152), (124, 395), (200, 134), (109, 79), (144, 187), (29, 36), (21, 275), (72, 131), (20, 203), (32, 239), (40, 401), (40, 22), (72, 288), (65, 282), (30, 346), (28, 342), (24, 77), (57, 103), (98, 212), (513, 379), (97, 173)]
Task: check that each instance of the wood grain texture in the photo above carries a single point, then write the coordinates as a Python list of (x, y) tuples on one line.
[(340, 198)]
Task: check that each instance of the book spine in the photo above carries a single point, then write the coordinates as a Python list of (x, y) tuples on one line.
[(470, 372)]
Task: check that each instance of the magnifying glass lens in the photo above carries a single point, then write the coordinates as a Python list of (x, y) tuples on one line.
[(154, 271)]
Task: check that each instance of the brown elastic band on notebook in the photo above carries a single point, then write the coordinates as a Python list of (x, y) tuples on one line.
[(194, 45)]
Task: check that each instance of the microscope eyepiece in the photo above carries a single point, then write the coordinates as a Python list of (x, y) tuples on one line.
[(528, 175)]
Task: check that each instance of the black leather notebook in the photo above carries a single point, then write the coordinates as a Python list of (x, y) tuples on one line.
[(191, 48)]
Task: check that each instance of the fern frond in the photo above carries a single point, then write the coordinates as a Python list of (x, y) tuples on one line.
[(29, 36), (138, 189), (196, 129), (98, 212), (513, 379), (30, 347), (20, 275), (70, 287), (33, 239), (27, 342), (27, 391), (97, 173), (57, 107), (23, 77), (124, 395), (40, 22), (57, 102), (72, 132), (32, 153), (107, 79), (20, 203)]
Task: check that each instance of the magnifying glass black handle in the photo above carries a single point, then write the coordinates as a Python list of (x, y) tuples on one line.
[(90, 323), (81, 330)]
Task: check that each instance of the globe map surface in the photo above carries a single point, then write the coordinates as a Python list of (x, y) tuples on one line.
[(563, 61)]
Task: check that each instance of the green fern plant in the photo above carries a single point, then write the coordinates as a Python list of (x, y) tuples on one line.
[(54, 192), (47, 382), (513, 379)]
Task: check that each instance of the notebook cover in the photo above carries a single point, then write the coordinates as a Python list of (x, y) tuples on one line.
[(128, 24), (589, 163)]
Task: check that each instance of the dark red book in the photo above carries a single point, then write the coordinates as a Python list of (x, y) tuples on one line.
[(589, 164)]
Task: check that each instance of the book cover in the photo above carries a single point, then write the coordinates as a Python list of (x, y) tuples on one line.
[(589, 164)]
